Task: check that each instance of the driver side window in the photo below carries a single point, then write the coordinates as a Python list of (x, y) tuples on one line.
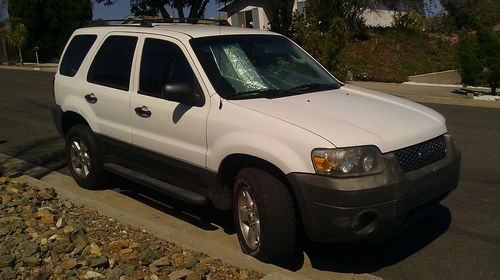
[(163, 63)]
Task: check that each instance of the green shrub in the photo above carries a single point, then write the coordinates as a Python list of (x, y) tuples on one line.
[(469, 65), (478, 58), (409, 22)]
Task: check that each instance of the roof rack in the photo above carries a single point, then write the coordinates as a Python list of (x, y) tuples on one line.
[(146, 22)]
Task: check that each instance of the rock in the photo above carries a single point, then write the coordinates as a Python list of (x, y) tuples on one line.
[(146, 256), (124, 277), (43, 241), (32, 261), (99, 262), (178, 261), (80, 243), (190, 261), (70, 263), (67, 204), (5, 198), (194, 276), (179, 274), (59, 222), (45, 195), (6, 261), (95, 249), (153, 269), (128, 255), (70, 273), (135, 245), (45, 217), (161, 262), (114, 274), (201, 268), (127, 269), (63, 245), (154, 277), (93, 275), (68, 229), (27, 248), (8, 273)]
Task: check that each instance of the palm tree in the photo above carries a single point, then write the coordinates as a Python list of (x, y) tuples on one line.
[(17, 37)]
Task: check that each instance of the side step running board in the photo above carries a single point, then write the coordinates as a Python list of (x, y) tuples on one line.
[(179, 193)]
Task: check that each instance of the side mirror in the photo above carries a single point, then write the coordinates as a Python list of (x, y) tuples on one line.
[(182, 93)]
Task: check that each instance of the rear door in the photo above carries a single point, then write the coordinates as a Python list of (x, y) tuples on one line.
[(108, 86)]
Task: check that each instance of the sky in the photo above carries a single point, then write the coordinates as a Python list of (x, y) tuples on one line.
[(121, 9)]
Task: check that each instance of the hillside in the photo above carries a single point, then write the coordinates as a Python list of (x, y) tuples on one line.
[(391, 56)]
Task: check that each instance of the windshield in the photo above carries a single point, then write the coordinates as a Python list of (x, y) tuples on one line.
[(254, 66)]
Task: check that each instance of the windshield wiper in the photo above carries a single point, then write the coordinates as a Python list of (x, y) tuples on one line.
[(311, 86), (257, 93)]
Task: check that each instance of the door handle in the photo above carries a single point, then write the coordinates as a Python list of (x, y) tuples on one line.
[(91, 98), (143, 112)]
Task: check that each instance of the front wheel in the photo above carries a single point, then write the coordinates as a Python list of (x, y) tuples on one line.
[(83, 159), (264, 215)]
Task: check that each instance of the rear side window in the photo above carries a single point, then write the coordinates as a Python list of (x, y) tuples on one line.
[(113, 62), (163, 62), (75, 53)]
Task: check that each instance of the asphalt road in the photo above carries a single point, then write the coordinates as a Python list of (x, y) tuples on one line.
[(460, 239)]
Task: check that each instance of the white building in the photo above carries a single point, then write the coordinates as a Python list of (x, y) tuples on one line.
[(257, 13)]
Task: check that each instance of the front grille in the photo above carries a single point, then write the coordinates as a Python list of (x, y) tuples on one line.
[(422, 154)]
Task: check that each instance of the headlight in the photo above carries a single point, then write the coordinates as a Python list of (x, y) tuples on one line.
[(348, 161)]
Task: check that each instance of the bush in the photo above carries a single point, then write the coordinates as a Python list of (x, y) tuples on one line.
[(409, 22), (478, 57), (469, 66)]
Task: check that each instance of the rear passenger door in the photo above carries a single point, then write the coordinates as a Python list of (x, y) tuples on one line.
[(173, 132), (109, 86)]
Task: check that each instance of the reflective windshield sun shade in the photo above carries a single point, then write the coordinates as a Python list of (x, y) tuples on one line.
[(237, 67)]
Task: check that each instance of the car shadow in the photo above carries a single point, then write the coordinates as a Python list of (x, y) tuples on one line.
[(205, 217), (366, 257)]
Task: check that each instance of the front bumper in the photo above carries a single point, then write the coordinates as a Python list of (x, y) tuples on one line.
[(371, 207)]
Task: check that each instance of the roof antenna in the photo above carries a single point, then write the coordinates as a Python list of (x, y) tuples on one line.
[(220, 23)]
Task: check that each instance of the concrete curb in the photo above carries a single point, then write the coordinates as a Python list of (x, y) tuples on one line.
[(443, 85)]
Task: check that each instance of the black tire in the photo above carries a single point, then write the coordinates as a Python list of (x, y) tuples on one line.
[(96, 176), (276, 215)]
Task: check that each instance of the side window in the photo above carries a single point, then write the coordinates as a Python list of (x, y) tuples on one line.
[(75, 53), (163, 62), (113, 62)]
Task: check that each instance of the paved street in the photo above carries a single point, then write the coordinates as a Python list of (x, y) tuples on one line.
[(458, 240)]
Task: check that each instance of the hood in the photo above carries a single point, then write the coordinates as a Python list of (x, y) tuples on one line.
[(352, 116)]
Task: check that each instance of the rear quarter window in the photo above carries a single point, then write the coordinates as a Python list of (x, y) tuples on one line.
[(75, 53)]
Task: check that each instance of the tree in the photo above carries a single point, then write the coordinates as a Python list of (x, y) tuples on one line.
[(17, 37), (4, 37), (469, 65), (154, 7), (323, 46), (49, 23), (351, 11), (469, 14)]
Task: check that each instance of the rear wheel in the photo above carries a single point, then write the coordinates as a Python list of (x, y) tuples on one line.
[(264, 215), (83, 158)]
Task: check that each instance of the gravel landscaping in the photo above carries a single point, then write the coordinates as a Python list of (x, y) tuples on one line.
[(44, 237)]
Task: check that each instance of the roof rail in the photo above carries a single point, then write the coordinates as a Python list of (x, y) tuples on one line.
[(150, 22)]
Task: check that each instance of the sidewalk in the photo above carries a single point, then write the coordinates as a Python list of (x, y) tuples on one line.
[(429, 94), (46, 67)]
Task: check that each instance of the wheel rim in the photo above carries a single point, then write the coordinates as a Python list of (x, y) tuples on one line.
[(248, 217), (80, 157)]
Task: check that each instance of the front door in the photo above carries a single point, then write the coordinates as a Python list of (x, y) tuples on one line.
[(174, 133)]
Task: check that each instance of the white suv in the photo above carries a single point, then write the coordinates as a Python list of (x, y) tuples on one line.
[(248, 121)]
